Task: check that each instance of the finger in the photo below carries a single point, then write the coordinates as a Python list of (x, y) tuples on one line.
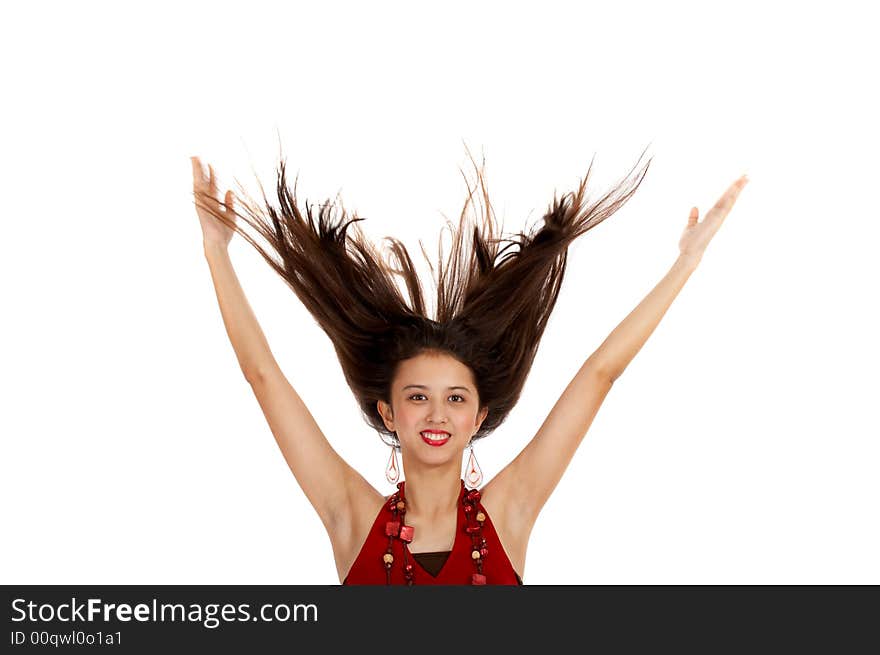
[(725, 202), (693, 217), (198, 171), (230, 201), (738, 186), (212, 181)]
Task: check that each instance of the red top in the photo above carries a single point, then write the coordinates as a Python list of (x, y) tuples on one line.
[(459, 568)]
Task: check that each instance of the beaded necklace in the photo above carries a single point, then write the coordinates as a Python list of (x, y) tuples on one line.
[(396, 529)]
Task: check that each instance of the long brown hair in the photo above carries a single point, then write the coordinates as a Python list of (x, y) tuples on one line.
[(493, 302)]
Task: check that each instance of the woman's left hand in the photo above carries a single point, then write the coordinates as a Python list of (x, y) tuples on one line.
[(697, 235)]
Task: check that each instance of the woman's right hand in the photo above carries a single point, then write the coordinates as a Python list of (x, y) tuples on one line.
[(214, 230)]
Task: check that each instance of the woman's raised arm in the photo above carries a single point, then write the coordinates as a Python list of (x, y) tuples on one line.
[(331, 485), (527, 482)]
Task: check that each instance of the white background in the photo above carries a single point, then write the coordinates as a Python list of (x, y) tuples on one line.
[(739, 446)]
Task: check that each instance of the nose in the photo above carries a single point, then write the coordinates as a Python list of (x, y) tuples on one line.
[(437, 413)]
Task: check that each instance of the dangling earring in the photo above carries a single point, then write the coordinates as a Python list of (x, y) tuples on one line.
[(392, 472), (473, 475)]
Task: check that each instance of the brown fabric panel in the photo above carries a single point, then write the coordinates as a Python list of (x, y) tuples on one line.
[(432, 562)]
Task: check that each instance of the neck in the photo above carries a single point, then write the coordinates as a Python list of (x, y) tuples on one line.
[(431, 494)]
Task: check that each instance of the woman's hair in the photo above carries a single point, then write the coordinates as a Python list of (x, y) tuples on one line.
[(492, 306)]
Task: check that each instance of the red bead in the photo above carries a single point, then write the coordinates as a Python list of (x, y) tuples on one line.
[(473, 529), (408, 569), (392, 528), (473, 495), (406, 533), (478, 578), (468, 509), (484, 551)]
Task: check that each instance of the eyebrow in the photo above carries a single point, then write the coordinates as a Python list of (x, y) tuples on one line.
[(422, 386)]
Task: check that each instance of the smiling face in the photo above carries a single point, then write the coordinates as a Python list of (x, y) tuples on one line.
[(434, 409)]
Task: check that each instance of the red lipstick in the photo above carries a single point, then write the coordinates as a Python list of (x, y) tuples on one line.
[(435, 437)]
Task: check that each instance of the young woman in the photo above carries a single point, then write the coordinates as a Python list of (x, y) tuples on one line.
[(430, 387)]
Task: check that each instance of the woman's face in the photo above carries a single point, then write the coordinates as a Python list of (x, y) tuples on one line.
[(433, 392)]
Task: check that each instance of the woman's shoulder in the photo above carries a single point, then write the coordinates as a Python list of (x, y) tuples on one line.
[(366, 502), (348, 535), (513, 527), (361, 506)]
